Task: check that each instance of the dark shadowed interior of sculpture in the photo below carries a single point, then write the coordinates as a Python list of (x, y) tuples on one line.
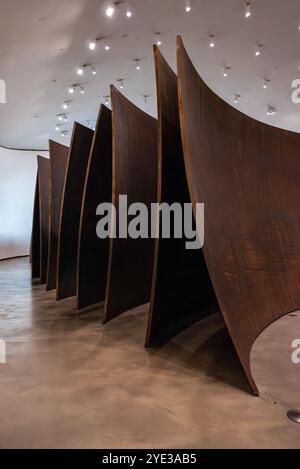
[(176, 269)]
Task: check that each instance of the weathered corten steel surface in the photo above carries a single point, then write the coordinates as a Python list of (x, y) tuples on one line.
[(58, 166), (134, 175), (71, 209), (247, 174), (44, 188), (182, 292), (93, 252)]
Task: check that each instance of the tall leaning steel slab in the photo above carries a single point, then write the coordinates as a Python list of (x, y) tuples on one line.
[(134, 175), (58, 166), (44, 191), (247, 174), (182, 292), (71, 209), (93, 252)]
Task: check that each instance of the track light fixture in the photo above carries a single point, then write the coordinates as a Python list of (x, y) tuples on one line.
[(93, 69), (62, 117), (226, 71), (121, 83), (93, 44), (106, 98), (266, 83), (258, 50), (137, 64), (157, 37), (71, 89), (128, 11), (146, 98), (248, 12), (110, 10), (66, 105), (236, 98), (80, 71), (188, 7), (82, 89), (212, 41), (271, 111)]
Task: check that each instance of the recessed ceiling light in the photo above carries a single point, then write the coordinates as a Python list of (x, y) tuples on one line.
[(248, 12), (92, 45), (110, 10)]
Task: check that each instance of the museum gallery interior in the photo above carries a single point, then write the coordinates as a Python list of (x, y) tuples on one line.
[(114, 118)]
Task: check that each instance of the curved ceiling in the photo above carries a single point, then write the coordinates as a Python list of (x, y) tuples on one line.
[(43, 41)]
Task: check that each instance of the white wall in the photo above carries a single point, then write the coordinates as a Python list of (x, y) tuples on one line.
[(17, 185)]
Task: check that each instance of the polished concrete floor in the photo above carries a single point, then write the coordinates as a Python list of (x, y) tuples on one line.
[(70, 382)]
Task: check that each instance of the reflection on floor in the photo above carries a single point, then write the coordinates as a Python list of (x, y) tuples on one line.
[(275, 361), (71, 382)]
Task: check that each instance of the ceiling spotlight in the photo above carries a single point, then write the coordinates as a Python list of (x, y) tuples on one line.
[(121, 82), (146, 97), (137, 64), (94, 71), (71, 89), (271, 111), (82, 90), (60, 117), (57, 128), (65, 118), (80, 70), (248, 12), (212, 41), (107, 47), (236, 98), (92, 45), (64, 133), (158, 39), (188, 6), (128, 12), (106, 100), (266, 83), (65, 105), (226, 71), (258, 50), (110, 10)]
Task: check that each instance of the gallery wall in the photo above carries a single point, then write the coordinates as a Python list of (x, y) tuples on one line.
[(17, 185)]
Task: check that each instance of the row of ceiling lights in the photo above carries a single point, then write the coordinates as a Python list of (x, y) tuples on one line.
[(110, 12)]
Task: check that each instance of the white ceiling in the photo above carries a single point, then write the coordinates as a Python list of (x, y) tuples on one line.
[(42, 42)]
